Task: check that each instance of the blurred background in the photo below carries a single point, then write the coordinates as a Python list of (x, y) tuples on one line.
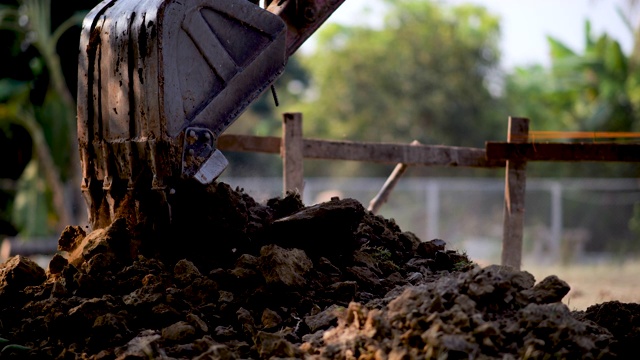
[(440, 72)]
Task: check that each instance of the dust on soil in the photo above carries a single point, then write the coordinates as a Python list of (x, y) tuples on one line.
[(234, 279)]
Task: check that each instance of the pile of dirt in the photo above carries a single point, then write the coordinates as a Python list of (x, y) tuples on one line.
[(234, 279)]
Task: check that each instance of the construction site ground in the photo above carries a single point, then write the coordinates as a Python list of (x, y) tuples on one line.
[(231, 278)]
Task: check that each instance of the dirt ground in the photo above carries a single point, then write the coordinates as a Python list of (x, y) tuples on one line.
[(233, 279)]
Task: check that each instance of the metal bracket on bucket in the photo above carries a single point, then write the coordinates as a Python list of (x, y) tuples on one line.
[(200, 159)]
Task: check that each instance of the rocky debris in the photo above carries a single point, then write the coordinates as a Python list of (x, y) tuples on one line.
[(16, 273), (550, 289), (285, 268), (482, 313), (234, 279), (622, 320)]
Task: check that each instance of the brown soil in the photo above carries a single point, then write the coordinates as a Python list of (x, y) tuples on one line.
[(234, 279)]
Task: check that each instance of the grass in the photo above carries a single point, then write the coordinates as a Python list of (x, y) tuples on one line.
[(594, 283)]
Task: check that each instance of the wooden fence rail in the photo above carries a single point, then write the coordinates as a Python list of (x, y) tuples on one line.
[(384, 153)]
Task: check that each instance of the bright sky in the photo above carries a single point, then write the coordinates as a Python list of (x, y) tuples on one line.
[(526, 23)]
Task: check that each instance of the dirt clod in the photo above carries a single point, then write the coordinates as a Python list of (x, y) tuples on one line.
[(16, 273)]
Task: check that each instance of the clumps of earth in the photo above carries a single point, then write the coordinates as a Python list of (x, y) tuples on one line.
[(231, 278)]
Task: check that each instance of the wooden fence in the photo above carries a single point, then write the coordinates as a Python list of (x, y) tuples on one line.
[(511, 155)]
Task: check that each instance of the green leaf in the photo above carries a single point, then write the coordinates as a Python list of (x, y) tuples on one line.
[(15, 349), (615, 61), (30, 208), (588, 40), (559, 50), (10, 87)]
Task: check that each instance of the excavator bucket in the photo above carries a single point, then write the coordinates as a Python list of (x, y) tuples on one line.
[(159, 81)]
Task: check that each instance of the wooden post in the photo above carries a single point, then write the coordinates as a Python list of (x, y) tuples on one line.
[(514, 194), (292, 153), (433, 210)]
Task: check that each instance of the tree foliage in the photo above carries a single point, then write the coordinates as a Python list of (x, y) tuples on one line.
[(425, 74), (597, 90)]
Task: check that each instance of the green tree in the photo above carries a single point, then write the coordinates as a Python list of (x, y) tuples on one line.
[(426, 74)]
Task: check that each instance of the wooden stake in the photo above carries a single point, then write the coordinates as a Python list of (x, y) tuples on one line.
[(383, 194), (514, 195), (385, 191), (292, 153)]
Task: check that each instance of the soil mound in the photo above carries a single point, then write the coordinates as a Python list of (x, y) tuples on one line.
[(230, 278)]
